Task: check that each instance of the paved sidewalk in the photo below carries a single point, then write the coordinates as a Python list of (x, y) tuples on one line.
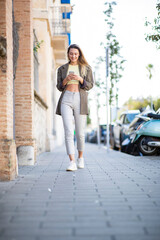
[(116, 197)]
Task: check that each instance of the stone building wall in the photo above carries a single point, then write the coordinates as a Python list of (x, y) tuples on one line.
[(8, 160), (24, 84), (40, 124), (28, 125)]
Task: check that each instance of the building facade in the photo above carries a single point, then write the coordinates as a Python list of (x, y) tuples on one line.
[(34, 36)]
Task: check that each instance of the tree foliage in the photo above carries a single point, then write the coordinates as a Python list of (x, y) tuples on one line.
[(149, 68), (141, 103), (154, 35), (115, 59), (37, 45)]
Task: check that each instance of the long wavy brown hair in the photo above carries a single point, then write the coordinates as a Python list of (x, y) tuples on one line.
[(81, 60)]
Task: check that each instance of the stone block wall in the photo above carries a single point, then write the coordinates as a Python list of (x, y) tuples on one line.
[(27, 120), (40, 124), (24, 84), (8, 160)]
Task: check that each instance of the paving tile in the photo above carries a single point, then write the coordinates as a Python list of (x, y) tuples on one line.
[(136, 236), (78, 238), (116, 197)]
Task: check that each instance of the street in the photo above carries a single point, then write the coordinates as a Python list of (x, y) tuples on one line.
[(116, 197)]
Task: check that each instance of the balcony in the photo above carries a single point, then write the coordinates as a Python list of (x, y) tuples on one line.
[(60, 21), (60, 27), (61, 33), (60, 45)]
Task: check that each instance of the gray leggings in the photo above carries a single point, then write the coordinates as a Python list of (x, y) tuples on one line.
[(70, 111)]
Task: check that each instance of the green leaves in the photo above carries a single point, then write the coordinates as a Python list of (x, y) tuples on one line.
[(149, 68), (37, 45), (154, 36), (141, 103), (116, 61)]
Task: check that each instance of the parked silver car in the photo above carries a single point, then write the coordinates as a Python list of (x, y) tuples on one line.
[(119, 132)]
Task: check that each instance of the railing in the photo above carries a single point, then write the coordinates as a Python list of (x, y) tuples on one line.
[(60, 23), (59, 27)]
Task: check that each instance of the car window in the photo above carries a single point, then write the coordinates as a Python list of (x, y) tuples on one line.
[(121, 118), (129, 118)]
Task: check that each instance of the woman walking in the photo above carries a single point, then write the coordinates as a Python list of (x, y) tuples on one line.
[(73, 80)]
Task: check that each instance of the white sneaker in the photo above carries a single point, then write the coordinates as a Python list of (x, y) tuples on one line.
[(80, 162), (72, 166)]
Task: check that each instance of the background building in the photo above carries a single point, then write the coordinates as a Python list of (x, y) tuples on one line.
[(34, 36)]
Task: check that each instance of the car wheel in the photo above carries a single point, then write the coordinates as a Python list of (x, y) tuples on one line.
[(123, 148), (144, 148)]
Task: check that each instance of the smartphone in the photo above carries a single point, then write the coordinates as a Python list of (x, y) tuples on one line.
[(71, 72)]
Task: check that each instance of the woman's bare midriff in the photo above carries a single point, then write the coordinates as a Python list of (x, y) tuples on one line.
[(73, 87)]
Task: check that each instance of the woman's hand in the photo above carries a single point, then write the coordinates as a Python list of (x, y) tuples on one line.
[(76, 77), (72, 77), (67, 79)]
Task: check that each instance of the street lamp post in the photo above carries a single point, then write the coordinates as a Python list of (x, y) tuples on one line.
[(107, 97), (97, 112)]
